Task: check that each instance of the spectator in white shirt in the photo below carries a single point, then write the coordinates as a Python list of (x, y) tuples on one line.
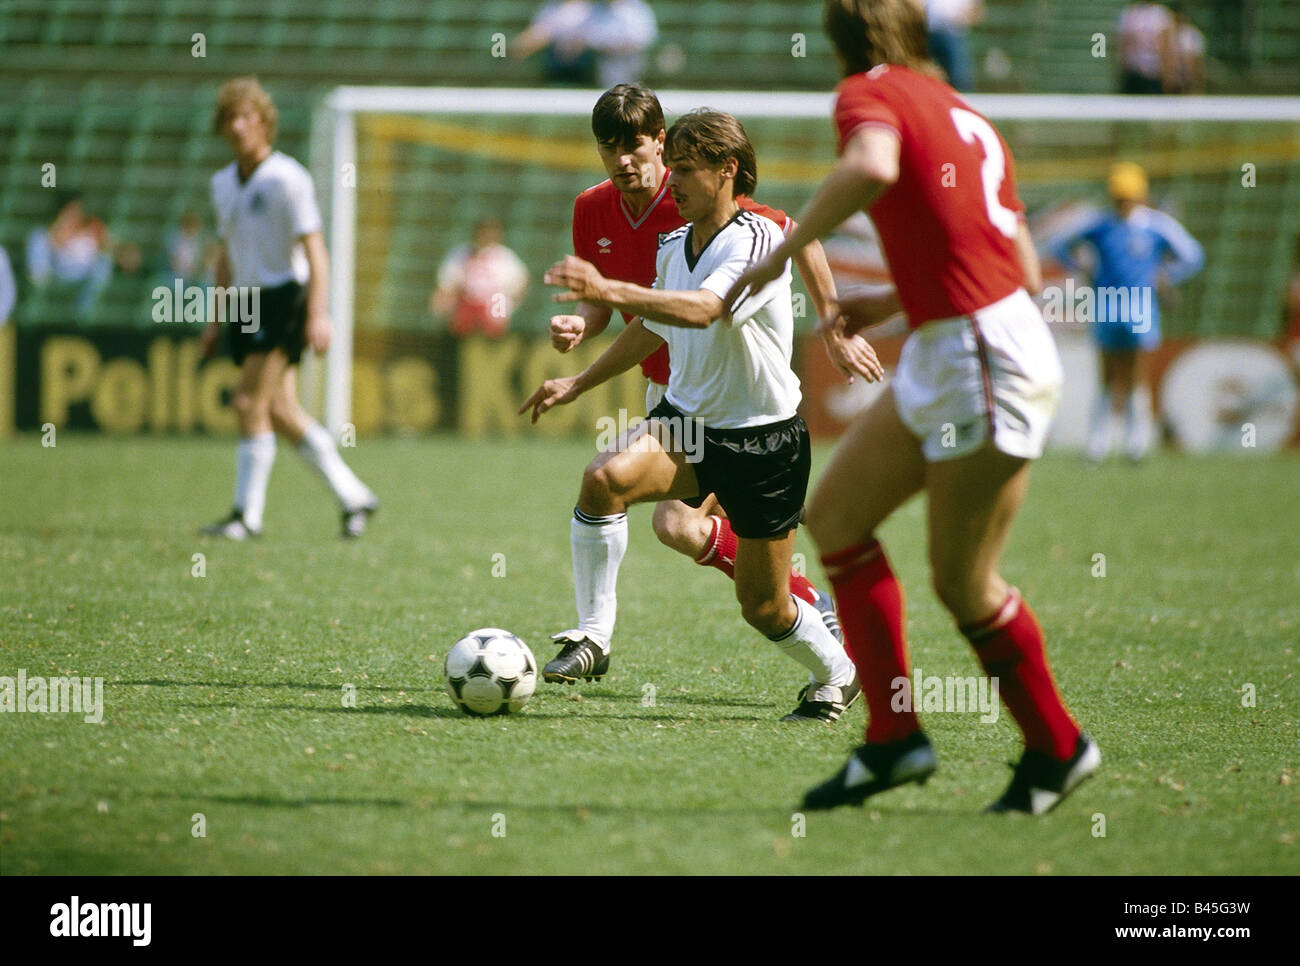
[(1145, 39)]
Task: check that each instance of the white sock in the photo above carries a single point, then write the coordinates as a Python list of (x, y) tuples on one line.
[(1138, 423), (254, 458), (813, 646), (318, 449), (1099, 438), (598, 545)]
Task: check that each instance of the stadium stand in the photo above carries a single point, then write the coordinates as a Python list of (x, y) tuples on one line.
[(113, 93)]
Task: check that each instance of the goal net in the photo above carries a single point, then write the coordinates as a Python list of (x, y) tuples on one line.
[(405, 174)]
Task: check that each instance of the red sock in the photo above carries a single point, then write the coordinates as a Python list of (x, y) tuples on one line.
[(870, 602), (1009, 646), (721, 553)]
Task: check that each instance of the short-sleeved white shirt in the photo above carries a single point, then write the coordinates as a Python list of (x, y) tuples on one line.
[(734, 375), (261, 220)]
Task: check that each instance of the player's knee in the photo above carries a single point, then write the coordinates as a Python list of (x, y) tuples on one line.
[(667, 525), (600, 488), (285, 415), (281, 411), (763, 612), (825, 523), (677, 527), (958, 589), (245, 404)]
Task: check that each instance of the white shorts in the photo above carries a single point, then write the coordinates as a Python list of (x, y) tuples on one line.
[(992, 375), (654, 395)]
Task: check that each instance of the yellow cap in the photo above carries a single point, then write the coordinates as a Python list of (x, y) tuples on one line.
[(1127, 182)]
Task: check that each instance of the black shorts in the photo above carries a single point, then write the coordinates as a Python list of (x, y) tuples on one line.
[(759, 474), (279, 322)]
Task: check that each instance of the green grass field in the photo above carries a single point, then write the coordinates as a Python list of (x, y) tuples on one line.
[(223, 693)]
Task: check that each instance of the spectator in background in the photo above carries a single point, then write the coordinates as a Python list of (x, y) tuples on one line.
[(1145, 48), (559, 29), (949, 23), (8, 290), (620, 31), (1186, 61), (1139, 251), (190, 251), (73, 250), (588, 42), (480, 284)]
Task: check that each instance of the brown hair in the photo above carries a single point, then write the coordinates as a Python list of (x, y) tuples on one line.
[(712, 137), (239, 89), (624, 112), (867, 33)]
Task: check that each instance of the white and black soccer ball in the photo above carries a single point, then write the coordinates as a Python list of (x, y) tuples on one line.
[(490, 671)]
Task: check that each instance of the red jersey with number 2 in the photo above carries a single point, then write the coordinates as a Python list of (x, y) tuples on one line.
[(623, 246), (948, 225)]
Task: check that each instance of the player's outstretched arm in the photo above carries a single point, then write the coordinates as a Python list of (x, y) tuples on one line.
[(862, 306), (867, 167), (691, 310), (848, 352), (633, 344)]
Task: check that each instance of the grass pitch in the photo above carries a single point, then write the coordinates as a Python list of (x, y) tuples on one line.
[(224, 709)]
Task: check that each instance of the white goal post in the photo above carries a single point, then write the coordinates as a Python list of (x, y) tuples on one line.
[(334, 156)]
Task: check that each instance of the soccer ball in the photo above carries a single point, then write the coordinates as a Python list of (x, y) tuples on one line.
[(490, 671)]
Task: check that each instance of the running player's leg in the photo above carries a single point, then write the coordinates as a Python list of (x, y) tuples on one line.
[(973, 502), (705, 535), (1139, 420), (639, 469), (877, 466), (1105, 410), (794, 626), (317, 447), (255, 453)]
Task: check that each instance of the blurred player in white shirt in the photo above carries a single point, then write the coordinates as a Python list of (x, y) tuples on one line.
[(271, 245)]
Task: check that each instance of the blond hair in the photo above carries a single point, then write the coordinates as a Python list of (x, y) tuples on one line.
[(239, 89)]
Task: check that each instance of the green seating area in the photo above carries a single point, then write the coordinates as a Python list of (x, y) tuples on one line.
[(112, 93)]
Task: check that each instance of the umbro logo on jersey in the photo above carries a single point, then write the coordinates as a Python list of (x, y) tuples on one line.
[(604, 244)]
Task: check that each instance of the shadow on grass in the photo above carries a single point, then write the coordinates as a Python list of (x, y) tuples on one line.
[(333, 686), (441, 711), (603, 694), (579, 810), (280, 801)]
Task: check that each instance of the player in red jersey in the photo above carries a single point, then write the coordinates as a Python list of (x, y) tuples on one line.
[(970, 405), (617, 226)]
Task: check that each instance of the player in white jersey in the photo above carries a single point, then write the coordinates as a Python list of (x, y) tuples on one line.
[(273, 255), (728, 422)]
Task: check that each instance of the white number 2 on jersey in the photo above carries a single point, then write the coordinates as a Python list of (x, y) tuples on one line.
[(974, 128)]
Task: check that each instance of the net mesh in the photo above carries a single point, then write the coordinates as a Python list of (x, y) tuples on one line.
[(424, 179)]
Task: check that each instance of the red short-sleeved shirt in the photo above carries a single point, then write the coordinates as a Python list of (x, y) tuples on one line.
[(948, 225), (623, 247)]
